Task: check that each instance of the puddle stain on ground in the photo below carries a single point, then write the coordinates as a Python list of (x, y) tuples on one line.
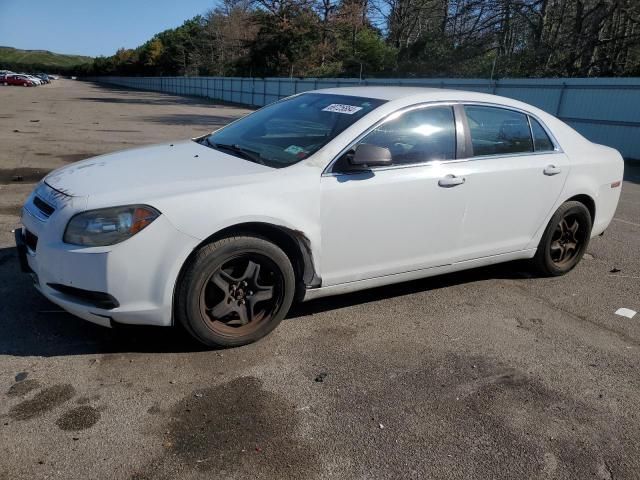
[(76, 157), (237, 428), (14, 210), (22, 175), (78, 418), (118, 131), (44, 401), (87, 399), (22, 388)]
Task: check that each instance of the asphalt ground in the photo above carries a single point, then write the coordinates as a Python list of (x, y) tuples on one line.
[(490, 373)]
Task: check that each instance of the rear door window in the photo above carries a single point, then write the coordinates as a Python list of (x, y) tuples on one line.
[(498, 131), (541, 140)]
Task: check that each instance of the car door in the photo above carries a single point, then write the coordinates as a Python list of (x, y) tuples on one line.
[(397, 218), (514, 178)]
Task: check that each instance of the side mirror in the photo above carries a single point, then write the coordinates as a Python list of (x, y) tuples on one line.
[(366, 156)]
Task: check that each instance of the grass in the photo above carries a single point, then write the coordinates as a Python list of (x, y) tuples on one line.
[(14, 57)]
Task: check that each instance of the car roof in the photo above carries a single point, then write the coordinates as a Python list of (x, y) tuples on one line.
[(383, 93), (409, 95)]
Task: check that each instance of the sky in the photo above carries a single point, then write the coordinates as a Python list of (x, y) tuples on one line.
[(90, 27)]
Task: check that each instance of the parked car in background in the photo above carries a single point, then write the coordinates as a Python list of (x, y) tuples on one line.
[(21, 80), (318, 194), (44, 77), (36, 80), (4, 74)]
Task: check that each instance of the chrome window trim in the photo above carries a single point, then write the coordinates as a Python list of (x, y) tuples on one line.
[(533, 140), (456, 105)]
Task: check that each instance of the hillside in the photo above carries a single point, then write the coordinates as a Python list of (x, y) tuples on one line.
[(11, 58)]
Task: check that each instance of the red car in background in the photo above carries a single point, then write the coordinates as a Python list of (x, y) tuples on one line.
[(18, 80)]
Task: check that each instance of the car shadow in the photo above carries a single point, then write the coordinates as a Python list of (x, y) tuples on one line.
[(190, 119), (131, 96), (30, 325), (147, 100), (510, 270)]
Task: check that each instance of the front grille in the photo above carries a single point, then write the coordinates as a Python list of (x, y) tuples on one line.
[(30, 240), (46, 209)]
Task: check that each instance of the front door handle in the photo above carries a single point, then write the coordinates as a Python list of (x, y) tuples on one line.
[(552, 170), (450, 181)]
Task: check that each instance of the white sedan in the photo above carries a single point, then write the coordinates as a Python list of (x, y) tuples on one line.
[(33, 78), (322, 193)]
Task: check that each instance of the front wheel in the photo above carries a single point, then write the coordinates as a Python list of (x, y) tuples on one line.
[(565, 239), (235, 291)]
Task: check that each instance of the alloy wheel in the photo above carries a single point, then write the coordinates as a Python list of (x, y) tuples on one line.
[(567, 239), (242, 294)]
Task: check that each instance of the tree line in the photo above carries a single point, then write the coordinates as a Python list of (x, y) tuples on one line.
[(394, 38)]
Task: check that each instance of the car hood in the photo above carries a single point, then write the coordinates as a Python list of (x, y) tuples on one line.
[(154, 168)]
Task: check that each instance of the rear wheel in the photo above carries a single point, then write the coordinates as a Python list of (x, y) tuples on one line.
[(565, 239), (235, 291)]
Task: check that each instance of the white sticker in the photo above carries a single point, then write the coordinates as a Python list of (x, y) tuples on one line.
[(294, 149), (340, 108)]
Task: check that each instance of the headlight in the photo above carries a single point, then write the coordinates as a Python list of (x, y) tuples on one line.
[(107, 226)]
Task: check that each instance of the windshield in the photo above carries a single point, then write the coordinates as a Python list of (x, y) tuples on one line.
[(291, 130)]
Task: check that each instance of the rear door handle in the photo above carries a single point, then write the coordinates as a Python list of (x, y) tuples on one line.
[(552, 170), (451, 181)]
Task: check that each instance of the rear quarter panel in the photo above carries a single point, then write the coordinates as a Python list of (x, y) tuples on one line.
[(592, 170), (595, 169)]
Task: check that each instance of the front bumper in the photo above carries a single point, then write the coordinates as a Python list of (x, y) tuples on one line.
[(130, 282), (22, 251)]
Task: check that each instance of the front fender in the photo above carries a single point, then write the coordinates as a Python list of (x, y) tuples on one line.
[(290, 201)]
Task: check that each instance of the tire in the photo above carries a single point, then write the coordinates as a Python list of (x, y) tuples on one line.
[(223, 300), (556, 254)]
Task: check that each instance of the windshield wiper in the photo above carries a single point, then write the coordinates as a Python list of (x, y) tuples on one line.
[(237, 149)]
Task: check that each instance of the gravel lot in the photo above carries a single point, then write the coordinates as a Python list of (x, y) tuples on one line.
[(490, 373)]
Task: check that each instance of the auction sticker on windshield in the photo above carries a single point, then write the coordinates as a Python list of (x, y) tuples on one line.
[(294, 149), (341, 108)]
